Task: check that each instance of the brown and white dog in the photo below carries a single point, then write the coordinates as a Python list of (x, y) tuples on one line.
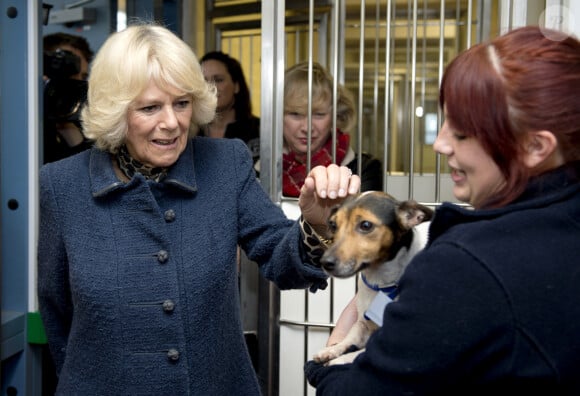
[(376, 235)]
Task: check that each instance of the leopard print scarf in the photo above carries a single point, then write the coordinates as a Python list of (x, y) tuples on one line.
[(129, 166)]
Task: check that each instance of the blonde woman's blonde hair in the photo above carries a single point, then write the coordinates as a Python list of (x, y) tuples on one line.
[(125, 65), (296, 94)]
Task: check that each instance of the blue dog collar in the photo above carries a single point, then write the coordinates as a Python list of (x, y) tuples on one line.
[(391, 291)]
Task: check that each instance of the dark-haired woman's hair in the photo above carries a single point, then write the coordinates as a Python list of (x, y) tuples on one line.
[(520, 82), (243, 103)]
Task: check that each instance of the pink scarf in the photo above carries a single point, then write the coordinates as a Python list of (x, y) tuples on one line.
[(294, 164)]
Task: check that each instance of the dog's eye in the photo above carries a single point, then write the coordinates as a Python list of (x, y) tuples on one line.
[(366, 226), (332, 226)]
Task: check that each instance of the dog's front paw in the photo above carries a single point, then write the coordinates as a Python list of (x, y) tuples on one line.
[(329, 353), (346, 358)]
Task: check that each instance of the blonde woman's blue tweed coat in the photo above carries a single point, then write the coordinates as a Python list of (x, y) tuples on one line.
[(137, 281)]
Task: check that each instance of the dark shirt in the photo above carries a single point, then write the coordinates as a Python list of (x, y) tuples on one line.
[(56, 148), (248, 130), (372, 172)]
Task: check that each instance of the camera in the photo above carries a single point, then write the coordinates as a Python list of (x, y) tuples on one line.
[(63, 95)]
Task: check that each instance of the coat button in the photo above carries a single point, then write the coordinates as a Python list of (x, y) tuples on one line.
[(162, 256), (168, 306), (169, 215), (173, 354)]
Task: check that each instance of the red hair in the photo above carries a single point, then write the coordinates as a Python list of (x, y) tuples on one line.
[(520, 82)]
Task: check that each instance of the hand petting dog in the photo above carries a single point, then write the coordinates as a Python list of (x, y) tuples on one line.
[(323, 189)]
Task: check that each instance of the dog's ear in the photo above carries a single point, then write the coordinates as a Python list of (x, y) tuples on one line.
[(330, 221), (410, 213), (333, 210), (345, 202)]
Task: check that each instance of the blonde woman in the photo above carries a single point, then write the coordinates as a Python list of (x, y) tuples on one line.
[(137, 278)]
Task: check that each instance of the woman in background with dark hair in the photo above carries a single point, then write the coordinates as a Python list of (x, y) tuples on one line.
[(234, 118), (491, 306)]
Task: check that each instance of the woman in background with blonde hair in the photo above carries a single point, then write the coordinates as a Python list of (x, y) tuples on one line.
[(322, 143)]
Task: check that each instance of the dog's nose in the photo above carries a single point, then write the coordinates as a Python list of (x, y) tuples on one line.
[(328, 263)]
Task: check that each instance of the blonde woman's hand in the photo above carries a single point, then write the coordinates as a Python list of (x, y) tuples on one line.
[(324, 188)]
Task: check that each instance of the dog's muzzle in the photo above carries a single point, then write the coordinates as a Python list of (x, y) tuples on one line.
[(334, 267)]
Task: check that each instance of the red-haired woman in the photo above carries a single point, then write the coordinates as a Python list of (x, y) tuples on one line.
[(491, 305)]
